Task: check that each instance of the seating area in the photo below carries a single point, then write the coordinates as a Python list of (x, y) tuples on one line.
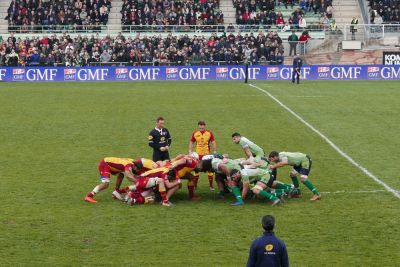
[(64, 50), (170, 13), (386, 11), (299, 14), (40, 15)]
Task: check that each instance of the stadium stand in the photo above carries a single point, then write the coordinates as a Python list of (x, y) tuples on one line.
[(387, 11), (35, 15), (132, 51), (161, 13)]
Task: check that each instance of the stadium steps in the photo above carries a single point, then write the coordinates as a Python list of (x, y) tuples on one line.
[(115, 16), (3, 13), (226, 6)]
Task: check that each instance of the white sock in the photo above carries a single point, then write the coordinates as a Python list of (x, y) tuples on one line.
[(96, 190)]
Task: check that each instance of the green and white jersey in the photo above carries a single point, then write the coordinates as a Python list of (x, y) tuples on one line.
[(255, 149), (230, 164), (254, 175), (294, 158)]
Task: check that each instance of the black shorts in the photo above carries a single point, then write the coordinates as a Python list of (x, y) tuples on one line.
[(160, 155)]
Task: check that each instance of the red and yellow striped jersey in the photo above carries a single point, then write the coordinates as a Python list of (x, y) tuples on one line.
[(202, 140), (119, 164)]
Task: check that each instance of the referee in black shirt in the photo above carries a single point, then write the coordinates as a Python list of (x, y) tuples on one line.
[(160, 140)]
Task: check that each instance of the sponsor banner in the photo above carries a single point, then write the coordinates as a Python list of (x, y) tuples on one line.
[(183, 73), (391, 58)]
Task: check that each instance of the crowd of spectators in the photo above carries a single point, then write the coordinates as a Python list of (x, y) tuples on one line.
[(171, 50), (166, 12), (384, 11), (35, 15), (266, 13)]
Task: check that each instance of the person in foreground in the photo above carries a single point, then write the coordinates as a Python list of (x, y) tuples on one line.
[(268, 250)]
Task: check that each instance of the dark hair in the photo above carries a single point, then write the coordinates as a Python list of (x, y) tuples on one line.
[(236, 134), (268, 223), (273, 154), (201, 123), (160, 119), (233, 172)]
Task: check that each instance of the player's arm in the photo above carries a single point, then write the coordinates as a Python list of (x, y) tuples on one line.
[(177, 163), (213, 143), (129, 175), (224, 169), (151, 141), (169, 138), (191, 142), (245, 189), (281, 163), (248, 152)]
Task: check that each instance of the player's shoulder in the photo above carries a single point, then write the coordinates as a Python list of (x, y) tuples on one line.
[(153, 131)]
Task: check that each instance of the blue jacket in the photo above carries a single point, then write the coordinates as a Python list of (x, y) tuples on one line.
[(268, 251), (297, 62)]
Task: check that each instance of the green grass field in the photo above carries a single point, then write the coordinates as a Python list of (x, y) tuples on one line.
[(54, 134)]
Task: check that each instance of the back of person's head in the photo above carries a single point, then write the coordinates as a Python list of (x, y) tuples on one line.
[(268, 223)]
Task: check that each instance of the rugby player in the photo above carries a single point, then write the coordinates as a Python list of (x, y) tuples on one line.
[(203, 138), (301, 164), (115, 166)]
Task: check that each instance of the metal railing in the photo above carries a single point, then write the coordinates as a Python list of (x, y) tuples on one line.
[(113, 28)]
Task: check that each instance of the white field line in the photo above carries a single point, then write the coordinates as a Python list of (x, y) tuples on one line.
[(354, 192), (332, 144)]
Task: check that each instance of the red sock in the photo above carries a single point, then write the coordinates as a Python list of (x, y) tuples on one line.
[(195, 181), (122, 191), (164, 196), (210, 180), (191, 190), (90, 194)]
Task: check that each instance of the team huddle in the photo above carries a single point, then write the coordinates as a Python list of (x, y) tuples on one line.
[(255, 175)]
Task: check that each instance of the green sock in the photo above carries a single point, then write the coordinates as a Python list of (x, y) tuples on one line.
[(267, 195), (310, 186), (222, 192), (236, 193), (285, 187), (278, 192), (295, 181)]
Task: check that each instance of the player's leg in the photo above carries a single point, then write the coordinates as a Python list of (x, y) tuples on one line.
[(296, 192), (298, 76), (190, 186), (236, 193), (104, 185), (196, 176), (163, 191), (260, 190), (293, 75), (304, 172), (210, 180), (105, 173), (281, 189), (219, 179)]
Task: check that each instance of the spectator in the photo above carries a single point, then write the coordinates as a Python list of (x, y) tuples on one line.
[(268, 250), (353, 28), (293, 40), (303, 40), (302, 22)]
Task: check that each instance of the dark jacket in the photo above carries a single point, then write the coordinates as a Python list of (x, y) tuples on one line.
[(297, 63), (268, 250)]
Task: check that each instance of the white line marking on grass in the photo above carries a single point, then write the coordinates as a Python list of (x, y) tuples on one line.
[(308, 96), (354, 192), (332, 144)]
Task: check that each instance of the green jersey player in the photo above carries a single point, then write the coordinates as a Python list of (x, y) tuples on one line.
[(250, 149), (301, 164), (222, 169)]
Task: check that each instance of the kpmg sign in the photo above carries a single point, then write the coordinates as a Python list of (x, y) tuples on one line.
[(186, 73), (391, 58)]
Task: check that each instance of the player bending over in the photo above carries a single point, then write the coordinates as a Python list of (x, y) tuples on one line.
[(264, 181), (222, 169), (115, 166), (301, 164), (252, 151), (184, 166), (157, 179)]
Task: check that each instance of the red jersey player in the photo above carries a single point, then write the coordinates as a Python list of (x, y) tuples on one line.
[(183, 166), (203, 138), (115, 166), (154, 179)]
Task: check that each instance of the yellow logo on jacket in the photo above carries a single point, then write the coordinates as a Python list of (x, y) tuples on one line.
[(269, 247)]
